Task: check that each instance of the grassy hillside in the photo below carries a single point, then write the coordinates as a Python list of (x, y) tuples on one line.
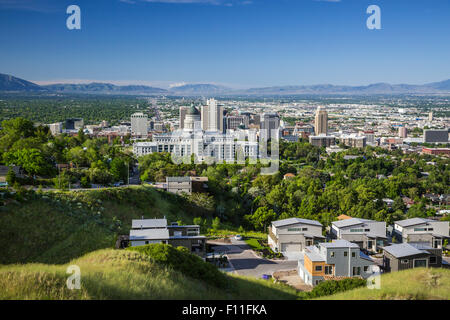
[(55, 227), (420, 284), (127, 274)]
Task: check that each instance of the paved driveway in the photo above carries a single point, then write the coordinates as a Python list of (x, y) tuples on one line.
[(245, 262)]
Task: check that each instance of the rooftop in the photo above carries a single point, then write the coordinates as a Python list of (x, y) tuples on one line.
[(148, 223), (339, 244), (289, 221), (412, 222), (403, 250), (350, 222)]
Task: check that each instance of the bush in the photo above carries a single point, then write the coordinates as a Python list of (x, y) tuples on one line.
[(181, 260), (330, 287)]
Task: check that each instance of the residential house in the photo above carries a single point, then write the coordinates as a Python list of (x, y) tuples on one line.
[(403, 256), (334, 260), (421, 230), (148, 231), (368, 234), (186, 184), (294, 234)]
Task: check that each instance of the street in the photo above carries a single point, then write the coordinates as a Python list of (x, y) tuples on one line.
[(245, 262)]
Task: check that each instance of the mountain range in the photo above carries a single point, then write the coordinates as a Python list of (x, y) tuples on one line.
[(10, 83)]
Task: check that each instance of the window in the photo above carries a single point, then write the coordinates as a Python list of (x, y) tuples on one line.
[(366, 268), (332, 254), (345, 253), (420, 229), (318, 268), (304, 229), (356, 230), (328, 269), (294, 229), (356, 271), (420, 263), (405, 261), (353, 254), (146, 242), (366, 230), (430, 229), (433, 260)]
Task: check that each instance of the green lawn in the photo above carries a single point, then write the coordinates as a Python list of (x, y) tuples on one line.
[(254, 244), (412, 284)]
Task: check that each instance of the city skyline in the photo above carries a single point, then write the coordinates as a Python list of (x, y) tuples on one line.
[(239, 44)]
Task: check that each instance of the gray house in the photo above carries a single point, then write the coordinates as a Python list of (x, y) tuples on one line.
[(186, 184), (334, 260), (148, 231), (420, 230), (294, 234), (403, 256), (367, 234)]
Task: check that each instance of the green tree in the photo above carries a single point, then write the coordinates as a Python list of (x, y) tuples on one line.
[(11, 177), (261, 218), (119, 169), (216, 223), (31, 160)]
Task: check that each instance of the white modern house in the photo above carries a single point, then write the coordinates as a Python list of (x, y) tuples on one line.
[(422, 230), (333, 261), (368, 234), (294, 234)]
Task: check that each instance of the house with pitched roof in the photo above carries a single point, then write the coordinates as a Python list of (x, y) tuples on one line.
[(397, 257), (294, 234), (422, 230), (333, 261), (368, 234)]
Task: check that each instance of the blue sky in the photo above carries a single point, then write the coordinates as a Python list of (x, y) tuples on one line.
[(240, 43)]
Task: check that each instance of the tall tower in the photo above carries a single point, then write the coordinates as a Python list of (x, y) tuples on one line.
[(430, 116), (321, 121), (139, 124), (182, 116), (212, 116)]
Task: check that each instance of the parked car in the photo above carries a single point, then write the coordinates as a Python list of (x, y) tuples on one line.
[(238, 237)]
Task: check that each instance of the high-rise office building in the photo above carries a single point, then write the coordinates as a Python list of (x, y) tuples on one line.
[(237, 122), (55, 128), (430, 116), (435, 136), (321, 121), (402, 132), (139, 124), (74, 124), (182, 116), (212, 116)]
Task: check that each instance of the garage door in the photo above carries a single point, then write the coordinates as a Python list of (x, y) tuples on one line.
[(291, 247)]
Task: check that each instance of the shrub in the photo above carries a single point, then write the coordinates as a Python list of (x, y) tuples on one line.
[(181, 260), (330, 287)]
